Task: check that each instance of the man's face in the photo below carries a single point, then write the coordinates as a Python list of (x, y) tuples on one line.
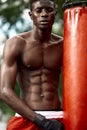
[(43, 14)]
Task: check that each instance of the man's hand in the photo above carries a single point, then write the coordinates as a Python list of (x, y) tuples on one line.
[(47, 124)]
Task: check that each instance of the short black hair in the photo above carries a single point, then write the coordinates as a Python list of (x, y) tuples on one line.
[(32, 1)]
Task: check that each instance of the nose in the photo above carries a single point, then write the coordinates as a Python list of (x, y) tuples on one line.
[(44, 13)]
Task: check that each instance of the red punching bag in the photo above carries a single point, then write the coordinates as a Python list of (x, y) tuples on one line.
[(75, 67)]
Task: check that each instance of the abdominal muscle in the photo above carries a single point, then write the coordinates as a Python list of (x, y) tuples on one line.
[(40, 90), (41, 94)]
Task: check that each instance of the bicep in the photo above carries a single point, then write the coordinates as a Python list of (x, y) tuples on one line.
[(8, 68), (8, 75), (11, 53)]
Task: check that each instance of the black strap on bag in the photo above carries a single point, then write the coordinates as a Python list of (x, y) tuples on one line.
[(69, 4)]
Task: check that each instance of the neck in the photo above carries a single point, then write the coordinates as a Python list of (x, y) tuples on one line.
[(41, 35)]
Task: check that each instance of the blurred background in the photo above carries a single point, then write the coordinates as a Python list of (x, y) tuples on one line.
[(14, 19)]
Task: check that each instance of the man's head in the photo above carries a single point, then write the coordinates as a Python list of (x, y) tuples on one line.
[(42, 13)]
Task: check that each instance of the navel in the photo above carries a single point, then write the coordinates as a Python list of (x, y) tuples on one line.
[(28, 65), (41, 95)]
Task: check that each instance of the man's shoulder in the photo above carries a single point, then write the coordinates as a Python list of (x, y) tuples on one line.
[(14, 44), (17, 40), (57, 39)]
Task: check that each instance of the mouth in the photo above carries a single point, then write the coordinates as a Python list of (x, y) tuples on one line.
[(44, 22)]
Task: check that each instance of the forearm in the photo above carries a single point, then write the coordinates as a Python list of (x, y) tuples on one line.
[(18, 105)]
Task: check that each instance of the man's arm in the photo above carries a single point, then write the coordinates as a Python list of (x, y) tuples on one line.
[(8, 79)]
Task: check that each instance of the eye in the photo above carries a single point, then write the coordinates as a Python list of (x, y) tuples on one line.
[(49, 10), (38, 10)]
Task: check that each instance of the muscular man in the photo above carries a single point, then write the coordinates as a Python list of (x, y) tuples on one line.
[(34, 58)]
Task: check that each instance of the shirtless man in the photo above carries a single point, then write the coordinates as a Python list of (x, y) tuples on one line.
[(34, 58)]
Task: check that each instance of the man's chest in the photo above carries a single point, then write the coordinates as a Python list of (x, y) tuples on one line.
[(38, 56)]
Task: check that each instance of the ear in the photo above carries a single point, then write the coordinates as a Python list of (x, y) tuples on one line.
[(30, 14)]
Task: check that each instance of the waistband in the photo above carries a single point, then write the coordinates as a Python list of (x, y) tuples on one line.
[(48, 114)]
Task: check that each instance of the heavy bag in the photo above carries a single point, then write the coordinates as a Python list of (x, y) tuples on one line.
[(75, 68)]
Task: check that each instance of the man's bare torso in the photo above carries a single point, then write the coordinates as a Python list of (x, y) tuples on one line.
[(39, 66)]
